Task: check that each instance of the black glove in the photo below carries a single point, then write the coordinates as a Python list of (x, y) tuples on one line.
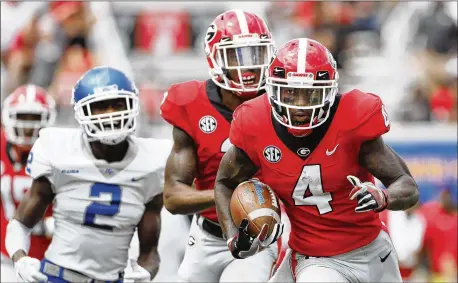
[(369, 196), (243, 245)]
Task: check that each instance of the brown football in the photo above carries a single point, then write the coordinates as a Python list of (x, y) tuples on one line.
[(258, 203)]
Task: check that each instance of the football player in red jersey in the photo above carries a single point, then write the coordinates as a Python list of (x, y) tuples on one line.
[(319, 151), (25, 111), (440, 243), (238, 47)]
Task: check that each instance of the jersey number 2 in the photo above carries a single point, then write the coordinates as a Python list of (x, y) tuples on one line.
[(97, 208), (309, 190)]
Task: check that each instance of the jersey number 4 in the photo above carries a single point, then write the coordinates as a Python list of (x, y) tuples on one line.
[(97, 208), (309, 190)]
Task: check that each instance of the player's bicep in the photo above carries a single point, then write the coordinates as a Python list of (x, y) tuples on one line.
[(33, 207), (382, 162), (235, 168), (182, 161)]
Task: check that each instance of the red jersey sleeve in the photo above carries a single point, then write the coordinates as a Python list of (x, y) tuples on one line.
[(174, 107), (238, 134), (374, 121)]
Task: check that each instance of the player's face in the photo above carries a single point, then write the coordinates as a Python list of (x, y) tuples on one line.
[(300, 97), (107, 107), (27, 132), (246, 56)]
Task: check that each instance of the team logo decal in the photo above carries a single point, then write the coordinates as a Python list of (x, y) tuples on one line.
[(209, 36), (272, 154), (303, 152), (208, 124), (322, 75), (211, 32), (279, 72), (191, 241)]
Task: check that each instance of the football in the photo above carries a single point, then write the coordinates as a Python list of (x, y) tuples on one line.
[(256, 202)]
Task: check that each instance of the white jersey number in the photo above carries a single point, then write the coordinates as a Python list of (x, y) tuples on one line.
[(226, 145), (96, 208), (309, 190)]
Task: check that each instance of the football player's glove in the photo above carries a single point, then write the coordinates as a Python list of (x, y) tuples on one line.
[(135, 273), (369, 196), (28, 270), (243, 245)]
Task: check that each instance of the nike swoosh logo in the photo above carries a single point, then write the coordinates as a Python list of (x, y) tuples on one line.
[(321, 74), (328, 153), (382, 259)]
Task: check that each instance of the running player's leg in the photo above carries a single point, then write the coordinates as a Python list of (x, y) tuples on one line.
[(204, 258), (257, 268), (316, 273), (383, 260), (375, 262), (284, 272)]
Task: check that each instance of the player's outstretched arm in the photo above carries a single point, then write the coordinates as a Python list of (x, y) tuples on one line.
[(235, 168), (387, 166), (148, 235), (181, 169), (30, 211)]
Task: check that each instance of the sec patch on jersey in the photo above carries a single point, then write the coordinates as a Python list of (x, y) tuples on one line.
[(256, 202)]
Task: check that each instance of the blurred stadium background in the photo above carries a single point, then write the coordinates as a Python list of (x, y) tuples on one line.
[(405, 52)]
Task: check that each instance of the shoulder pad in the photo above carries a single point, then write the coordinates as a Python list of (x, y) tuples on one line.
[(183, 93), (175, 105), (154, 151), (253, 112), (357, 107), (55, 134), (364, 115), (249, 120)]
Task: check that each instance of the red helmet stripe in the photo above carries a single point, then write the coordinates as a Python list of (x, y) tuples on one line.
[(302, 55), (243, 24)]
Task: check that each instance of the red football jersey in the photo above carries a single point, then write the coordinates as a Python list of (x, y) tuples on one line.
[(14, 185), (191, 106), (314, 188), (441, 237)]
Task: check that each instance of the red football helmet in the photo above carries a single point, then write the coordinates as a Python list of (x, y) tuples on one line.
[(239, 47), (25, 111), (301, 83)]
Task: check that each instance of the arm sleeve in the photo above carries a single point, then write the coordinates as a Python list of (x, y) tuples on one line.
[(237, 135), (376, 122), (174, 111), (38, 162)]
